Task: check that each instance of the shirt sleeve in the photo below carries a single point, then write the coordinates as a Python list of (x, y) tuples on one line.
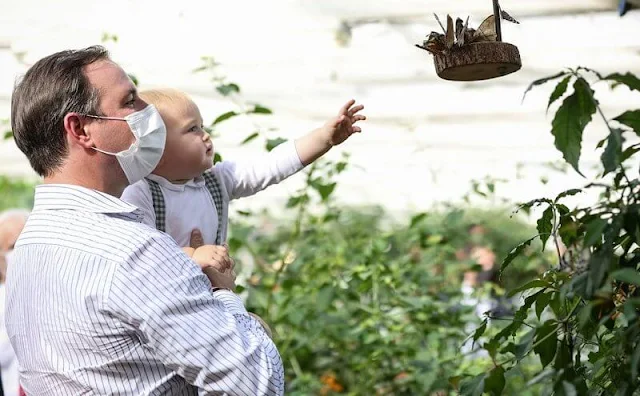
[(139, 195), (206, 338), (245, 178)]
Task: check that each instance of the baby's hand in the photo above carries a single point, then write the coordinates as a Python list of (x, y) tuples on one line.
[(341, 127), (213, 256)]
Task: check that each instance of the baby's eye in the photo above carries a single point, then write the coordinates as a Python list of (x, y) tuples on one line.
[(194, 128)]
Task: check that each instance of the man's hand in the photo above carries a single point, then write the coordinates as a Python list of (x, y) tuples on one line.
[(225, 280)]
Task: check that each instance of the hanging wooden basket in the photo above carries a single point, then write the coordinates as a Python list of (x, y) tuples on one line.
[(478, 61), (463, 54)]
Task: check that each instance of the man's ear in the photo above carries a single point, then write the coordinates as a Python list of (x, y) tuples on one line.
[(75, 128)]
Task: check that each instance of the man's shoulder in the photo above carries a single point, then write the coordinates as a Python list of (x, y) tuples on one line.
[(114, 235)]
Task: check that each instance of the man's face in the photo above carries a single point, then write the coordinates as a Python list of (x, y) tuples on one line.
[(118, 98)]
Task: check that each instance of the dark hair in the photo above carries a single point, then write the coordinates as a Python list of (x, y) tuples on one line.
[(53, 87)]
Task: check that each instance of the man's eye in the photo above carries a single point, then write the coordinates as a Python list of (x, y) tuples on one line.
[(131, 103)]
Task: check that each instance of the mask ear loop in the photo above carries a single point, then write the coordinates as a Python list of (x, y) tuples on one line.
[(135, 144)]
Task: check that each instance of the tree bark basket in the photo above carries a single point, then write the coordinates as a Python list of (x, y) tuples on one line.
[(478, 61)]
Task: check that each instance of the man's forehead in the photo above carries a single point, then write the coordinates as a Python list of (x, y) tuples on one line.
[(105, 73)]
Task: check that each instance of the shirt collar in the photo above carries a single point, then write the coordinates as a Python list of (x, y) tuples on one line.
[(193, 183), (73, 197)]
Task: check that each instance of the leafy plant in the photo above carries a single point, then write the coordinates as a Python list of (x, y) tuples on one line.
[(581, 317)]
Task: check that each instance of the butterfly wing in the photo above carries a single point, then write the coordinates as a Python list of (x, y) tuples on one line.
[(505, 15), (450, 34), (487, 30)]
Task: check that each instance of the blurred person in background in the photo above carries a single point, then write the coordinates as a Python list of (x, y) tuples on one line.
[(12, 222)]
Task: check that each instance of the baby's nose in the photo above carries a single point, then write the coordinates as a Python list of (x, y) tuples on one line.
[(206, 137)]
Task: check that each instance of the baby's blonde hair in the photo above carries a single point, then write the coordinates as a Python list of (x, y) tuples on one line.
[(164, 98)]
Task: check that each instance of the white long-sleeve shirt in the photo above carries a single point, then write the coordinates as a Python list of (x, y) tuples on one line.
[(100, 304), (189, 206)]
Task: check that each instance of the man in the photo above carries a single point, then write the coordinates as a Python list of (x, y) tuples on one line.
[(113, 306), (11, 224)]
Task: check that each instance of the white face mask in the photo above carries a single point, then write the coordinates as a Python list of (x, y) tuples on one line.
[(142, 157)]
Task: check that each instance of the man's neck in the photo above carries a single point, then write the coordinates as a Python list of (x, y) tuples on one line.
[(86, 180)]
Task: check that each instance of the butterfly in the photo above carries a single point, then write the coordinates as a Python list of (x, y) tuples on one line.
[(460, 34)]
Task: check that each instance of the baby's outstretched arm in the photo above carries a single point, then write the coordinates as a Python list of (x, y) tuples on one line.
[(316, 143)]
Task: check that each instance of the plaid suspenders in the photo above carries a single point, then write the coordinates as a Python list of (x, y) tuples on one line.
[(160, 210), (211, 181), (158, 204)]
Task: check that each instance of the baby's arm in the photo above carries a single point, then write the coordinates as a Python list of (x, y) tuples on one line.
[(245, 178)]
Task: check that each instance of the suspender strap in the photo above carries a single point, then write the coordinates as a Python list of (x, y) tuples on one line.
[(158, 204), (213, 185)]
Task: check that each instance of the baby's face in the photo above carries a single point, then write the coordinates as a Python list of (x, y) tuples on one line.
[(188, 151)]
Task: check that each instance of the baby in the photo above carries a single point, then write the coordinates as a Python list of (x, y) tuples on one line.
[(186, 192)]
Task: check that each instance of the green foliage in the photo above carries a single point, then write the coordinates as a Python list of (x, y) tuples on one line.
[(581, 318), (372, 305), (15, 193)]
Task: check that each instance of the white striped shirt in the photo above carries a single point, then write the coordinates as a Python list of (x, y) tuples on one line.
[(100, 304)]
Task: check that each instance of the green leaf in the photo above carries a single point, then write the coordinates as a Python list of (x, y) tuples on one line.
[(495, 382), (631, 119), (325, 190), (612, 155), (224, 117), (560, 89), (297, 201), (273, 143), (627, 275), (515, 253), (250, 137), (584, 316), (542, 81), (545, 226), (595, 228), (599, 264), (568, 193), (260, 110), (473, 386), (415, 220), (8, 135), (629, 152), (455, 381), (217, 158), (627, 79), (570, 120), (547, 348), (529, 285), (635, 361), (535, 202), (480, 331), (542, 302), (227, 89), (524, 346)]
